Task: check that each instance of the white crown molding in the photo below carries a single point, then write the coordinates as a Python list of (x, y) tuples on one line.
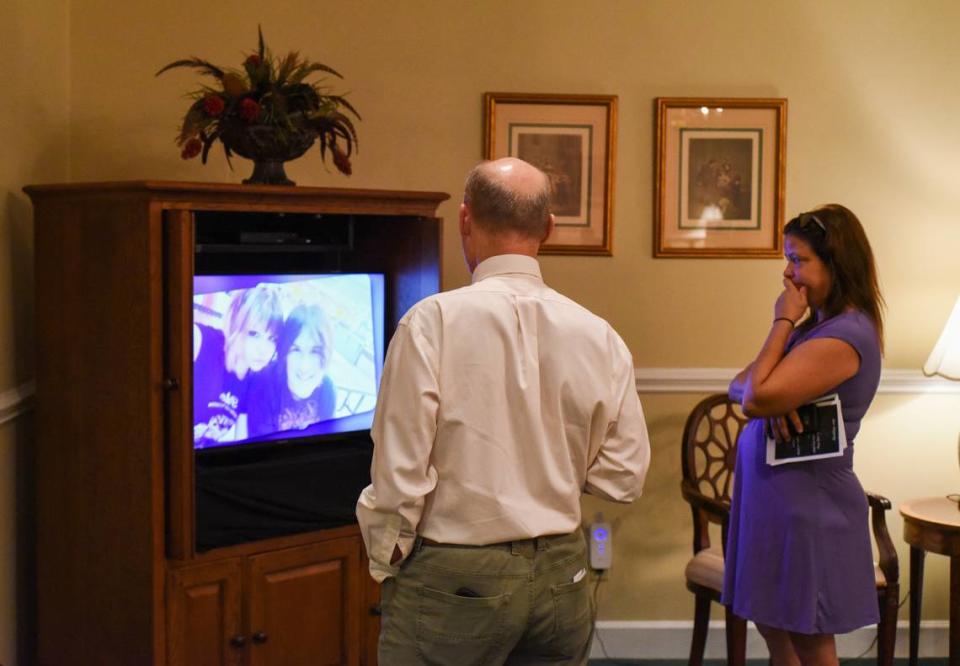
[(16, 401), (671, 640), (715, 380)]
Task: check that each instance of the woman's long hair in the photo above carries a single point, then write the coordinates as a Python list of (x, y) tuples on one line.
[(836, 236), (312, 318), (273, 408), (294, 412)]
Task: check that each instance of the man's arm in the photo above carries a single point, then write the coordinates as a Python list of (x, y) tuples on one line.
[(403, 432), (618, 471)]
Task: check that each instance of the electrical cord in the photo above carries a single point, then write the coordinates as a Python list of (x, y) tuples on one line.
[(595, 606), (595, 610), (596, 600)]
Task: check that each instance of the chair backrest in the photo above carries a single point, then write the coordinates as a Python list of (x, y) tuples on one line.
[(708, 458)]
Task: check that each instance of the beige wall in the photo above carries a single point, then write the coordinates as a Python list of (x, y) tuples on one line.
[(870, 124), (34, 114)]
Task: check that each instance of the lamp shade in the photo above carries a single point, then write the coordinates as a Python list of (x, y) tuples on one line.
[(944, 360)]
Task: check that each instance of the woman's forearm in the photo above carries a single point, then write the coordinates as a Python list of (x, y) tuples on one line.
[(736, 388), (789, 308), (759, 371)]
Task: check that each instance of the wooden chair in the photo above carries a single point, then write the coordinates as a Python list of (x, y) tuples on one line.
[(708, 459)]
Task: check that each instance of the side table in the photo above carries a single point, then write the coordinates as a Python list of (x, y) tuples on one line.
[(932, 524)]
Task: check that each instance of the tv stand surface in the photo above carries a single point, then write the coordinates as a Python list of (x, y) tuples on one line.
[(122, 576)]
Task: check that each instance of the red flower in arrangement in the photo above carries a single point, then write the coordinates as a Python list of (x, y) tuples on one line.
[(249, 109), (191, 148), (213, 105), (341, 161), (271, 96)]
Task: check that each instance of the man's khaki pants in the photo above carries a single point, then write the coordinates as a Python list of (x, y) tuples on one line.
[(521, 602)]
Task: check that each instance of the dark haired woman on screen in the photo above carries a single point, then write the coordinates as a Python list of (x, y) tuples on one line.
[(798, 555), (300, 392)]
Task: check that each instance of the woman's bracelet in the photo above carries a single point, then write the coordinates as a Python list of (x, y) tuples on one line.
[(792, 322)]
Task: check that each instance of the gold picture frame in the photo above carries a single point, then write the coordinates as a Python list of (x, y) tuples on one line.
[(720, 172), (572, 138)]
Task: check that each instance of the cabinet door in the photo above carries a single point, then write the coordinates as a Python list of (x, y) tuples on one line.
[(305, 604), (370, 620), (178, 255), (204, 615)]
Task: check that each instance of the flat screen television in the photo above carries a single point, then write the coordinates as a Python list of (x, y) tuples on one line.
[(283, 358)]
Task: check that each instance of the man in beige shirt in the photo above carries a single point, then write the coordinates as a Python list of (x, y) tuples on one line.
[(500, 404)]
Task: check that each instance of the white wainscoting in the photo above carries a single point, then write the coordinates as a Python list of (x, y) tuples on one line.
[(715, 380), (671, 640), (16, 401)]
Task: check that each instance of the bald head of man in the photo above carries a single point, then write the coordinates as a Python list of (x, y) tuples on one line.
[(505, 210)]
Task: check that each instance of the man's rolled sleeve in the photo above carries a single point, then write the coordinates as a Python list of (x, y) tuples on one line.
[(403, 432), (619, 470)]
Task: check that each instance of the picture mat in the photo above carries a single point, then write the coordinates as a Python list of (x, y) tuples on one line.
[(585, 230), (674, 235)]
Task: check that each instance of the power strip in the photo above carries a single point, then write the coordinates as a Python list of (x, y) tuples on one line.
[(601, 544)]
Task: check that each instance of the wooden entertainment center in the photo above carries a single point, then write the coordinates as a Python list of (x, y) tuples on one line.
[(120, 577)]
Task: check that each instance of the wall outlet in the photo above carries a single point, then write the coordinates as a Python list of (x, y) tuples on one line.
[(601, 544)]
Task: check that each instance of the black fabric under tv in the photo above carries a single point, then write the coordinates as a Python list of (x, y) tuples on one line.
[(252, 495)]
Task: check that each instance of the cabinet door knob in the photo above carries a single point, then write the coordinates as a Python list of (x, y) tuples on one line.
[(260, 637), (238, 641), (171, 384)]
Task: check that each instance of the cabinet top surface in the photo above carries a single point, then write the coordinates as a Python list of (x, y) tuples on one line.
[(190, 193), (232, 188)]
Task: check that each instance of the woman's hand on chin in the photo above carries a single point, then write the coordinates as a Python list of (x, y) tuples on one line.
[(792, 302)]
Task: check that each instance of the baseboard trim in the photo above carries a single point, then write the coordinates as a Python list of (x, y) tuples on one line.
[(16, 401), (716, 380), (671, 640)]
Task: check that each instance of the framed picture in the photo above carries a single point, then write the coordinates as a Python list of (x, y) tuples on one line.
[(571, 138), (720, 177)]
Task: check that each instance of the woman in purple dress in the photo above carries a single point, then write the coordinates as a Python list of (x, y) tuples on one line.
[(798, 556)]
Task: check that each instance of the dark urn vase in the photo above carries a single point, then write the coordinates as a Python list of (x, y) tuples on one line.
[(269, 147)]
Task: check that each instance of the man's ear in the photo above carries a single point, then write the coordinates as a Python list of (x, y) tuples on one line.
[(551, 223), (465, 221)]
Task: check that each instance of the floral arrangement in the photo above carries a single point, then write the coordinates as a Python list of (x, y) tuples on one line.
[(267, 92)]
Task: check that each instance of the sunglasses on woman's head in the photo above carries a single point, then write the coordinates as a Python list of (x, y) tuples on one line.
[(806, 219)]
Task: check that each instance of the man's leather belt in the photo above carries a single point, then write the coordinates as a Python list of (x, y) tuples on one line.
[(526, 547)]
